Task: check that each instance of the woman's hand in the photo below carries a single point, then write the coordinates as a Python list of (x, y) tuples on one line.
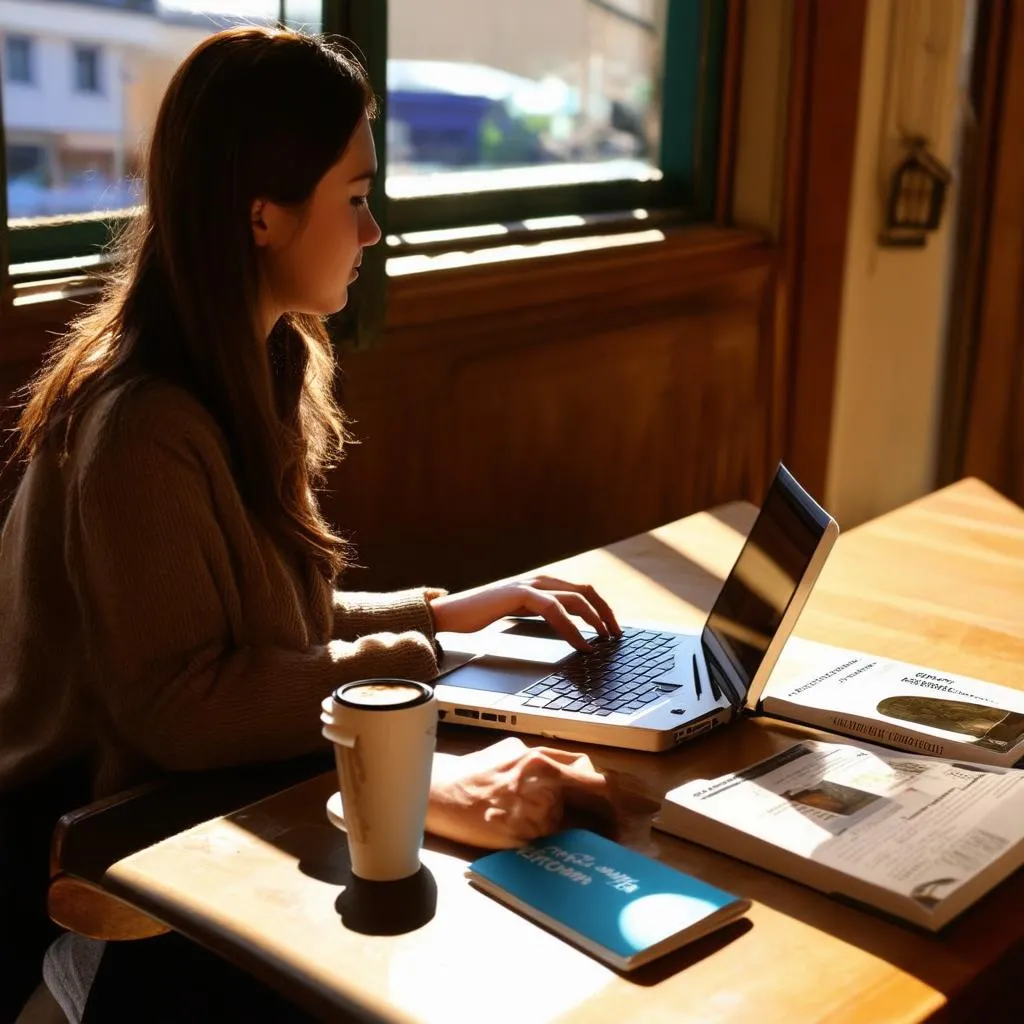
[(551, 598), (508, 793)]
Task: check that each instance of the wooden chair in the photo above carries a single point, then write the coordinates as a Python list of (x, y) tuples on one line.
[(87, 840)]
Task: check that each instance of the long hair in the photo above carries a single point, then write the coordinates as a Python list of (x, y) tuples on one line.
[(251, 113)]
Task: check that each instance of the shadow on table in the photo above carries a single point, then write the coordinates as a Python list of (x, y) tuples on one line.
[(321, 852), (692, 953), (388, 908)]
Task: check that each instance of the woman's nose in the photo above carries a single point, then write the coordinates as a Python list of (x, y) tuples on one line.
[(369, 233)]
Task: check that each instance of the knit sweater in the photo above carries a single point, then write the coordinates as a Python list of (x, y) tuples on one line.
[(151, 624)]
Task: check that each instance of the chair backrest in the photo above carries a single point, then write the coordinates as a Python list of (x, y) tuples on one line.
[(28, 815)]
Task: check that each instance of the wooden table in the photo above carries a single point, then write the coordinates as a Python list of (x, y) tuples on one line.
[(939, 582)]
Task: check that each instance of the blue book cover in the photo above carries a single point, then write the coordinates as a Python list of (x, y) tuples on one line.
[(620, 905)]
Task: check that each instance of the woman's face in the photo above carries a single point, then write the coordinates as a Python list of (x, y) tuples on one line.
[(309, 254)]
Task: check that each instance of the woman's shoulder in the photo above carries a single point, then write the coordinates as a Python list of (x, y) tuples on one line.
[(147, 416)]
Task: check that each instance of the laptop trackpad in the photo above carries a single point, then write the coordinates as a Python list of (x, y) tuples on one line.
[(496, 675), (498, 661)]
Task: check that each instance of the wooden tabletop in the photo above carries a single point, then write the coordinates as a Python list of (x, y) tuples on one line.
[(939, 582)]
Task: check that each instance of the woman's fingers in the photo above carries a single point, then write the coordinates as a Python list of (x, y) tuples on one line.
[(536, 790), (588, 593), (566, 757), (538, 602), (596, 789), (514, 794), (577, 604), (498, 756)]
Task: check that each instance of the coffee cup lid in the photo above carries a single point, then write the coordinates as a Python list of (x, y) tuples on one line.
[(382, 694)]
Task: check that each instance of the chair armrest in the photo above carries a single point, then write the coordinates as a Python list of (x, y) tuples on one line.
[(86, 909), (88, 840)]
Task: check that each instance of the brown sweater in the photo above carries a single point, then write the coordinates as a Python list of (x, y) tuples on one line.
[(148, 621)]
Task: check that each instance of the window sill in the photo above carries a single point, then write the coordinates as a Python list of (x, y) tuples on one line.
[(637, 269), (640, 266)]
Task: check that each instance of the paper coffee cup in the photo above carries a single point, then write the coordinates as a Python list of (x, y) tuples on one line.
[(384, 733)]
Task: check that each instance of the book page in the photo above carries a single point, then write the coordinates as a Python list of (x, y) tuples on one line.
[(918, 827), (886, 699)]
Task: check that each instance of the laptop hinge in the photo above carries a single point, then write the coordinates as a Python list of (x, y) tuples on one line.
[(722, 679)]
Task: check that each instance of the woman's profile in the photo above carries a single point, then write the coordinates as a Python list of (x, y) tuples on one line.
[(167, 580)]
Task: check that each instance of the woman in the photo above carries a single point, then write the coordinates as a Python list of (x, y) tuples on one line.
[(166, 577)]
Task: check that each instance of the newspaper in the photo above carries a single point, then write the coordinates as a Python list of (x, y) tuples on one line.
[(918, 827)]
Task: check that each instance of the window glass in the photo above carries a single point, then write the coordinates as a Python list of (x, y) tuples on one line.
[(506, 95), (87, 69), (18, 59), (76, 140)]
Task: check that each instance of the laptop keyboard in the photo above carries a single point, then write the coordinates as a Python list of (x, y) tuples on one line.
[(616, 675)]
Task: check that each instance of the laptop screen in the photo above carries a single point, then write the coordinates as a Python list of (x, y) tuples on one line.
[(754, 598)]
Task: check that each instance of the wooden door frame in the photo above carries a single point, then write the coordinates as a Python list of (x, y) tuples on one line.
[(824, 103), (982, 432)]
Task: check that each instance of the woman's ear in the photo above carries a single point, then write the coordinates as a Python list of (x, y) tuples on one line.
[(262, 220)]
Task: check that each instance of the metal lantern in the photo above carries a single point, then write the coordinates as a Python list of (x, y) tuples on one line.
[(916, 197)]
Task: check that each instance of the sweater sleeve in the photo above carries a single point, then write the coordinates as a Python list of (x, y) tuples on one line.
[(356, 614), (158, 584)]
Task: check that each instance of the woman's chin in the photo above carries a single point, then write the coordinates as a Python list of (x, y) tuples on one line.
[(326, 306), (335, 305), (340, 302)]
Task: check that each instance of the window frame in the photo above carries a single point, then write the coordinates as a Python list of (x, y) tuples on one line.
[(695, 39)]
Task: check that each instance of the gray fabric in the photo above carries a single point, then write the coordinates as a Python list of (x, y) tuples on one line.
[(69, 967)]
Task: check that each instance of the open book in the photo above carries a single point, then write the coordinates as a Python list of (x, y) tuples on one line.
[(897, 704), (915, 837)]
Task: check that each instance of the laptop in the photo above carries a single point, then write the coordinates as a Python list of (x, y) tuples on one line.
[(655, 687)]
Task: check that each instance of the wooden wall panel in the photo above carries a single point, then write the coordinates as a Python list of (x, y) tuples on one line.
[(491, 445)]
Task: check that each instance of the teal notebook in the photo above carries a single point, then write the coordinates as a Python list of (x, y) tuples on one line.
[(617, 904)]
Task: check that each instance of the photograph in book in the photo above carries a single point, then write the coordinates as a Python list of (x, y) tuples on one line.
[(917, 837), (897, 704)]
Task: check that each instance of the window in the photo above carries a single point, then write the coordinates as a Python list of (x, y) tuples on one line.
[(546, 107), (87, 69), (480, 100), (75, 145), (520, 118), (18, 59)]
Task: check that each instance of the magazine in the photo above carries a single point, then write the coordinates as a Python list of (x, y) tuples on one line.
[(897, 704), (915, 837)]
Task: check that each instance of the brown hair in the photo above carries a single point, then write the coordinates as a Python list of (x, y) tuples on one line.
[(251, 113)]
